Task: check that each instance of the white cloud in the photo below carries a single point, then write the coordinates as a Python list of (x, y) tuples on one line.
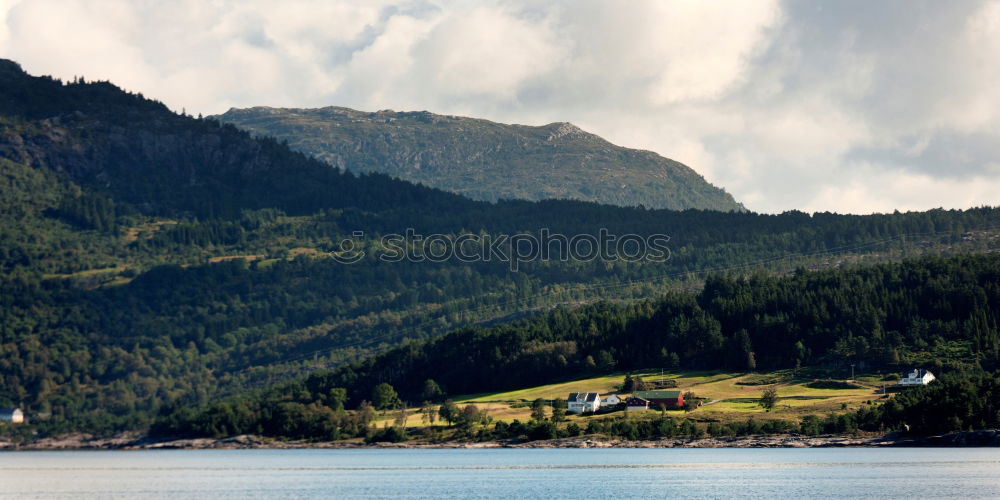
[(486, 51), (976, 104), (877, 190), (5, 6), (374, 73), (69, 37), (706, 46), (845, 107)]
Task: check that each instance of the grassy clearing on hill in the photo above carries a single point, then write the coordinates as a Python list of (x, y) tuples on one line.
[(726, 399)]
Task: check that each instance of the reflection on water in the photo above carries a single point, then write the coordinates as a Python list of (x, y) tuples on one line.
[(558, 473)]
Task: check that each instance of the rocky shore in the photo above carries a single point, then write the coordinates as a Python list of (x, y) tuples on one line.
[(141, 442)]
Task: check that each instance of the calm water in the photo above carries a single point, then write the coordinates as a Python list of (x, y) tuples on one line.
[(558, 473)]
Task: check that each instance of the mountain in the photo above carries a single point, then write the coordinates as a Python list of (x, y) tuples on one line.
[(137, 151), (485, 160), (149, 258)]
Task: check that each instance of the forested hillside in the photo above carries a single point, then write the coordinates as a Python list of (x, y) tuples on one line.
[(148, 257), (485, 160), (929, 312), (911, 313)]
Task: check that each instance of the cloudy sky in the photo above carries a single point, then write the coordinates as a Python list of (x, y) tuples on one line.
[(848, 106)]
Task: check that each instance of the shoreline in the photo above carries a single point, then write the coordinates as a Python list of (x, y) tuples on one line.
[(981, 438)]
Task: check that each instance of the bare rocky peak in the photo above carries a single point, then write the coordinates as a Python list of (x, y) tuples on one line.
[(486, 160), (563, 129)]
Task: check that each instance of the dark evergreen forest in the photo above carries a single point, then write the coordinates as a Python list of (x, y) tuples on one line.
[(932, 312), (150, 259)]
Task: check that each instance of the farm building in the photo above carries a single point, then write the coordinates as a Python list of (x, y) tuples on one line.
[(582, 402), (916, 377), (671, 400), (635, 404), (611, 400), (12, 415)]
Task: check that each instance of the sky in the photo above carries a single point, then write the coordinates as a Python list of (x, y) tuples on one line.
[(847, 106)]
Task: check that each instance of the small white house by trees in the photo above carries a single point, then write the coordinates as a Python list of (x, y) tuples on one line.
[(12, 415), (581, 402), (612, 400), (916, 377)]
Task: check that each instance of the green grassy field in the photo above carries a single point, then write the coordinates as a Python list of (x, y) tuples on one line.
[(726, 399)]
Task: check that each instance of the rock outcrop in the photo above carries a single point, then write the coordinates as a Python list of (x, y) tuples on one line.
[(485, 160)]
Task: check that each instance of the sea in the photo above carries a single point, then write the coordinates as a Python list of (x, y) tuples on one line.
[(911, 473)]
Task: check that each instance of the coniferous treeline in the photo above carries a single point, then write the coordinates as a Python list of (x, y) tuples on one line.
[(882, 315), (169, 330), (962, 401), (922, 312), (88, 211)]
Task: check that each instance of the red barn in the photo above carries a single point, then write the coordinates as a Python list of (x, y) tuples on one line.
[(672, 400)]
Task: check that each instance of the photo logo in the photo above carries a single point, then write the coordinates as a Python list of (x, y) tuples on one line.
[(350, 249), (515, 249)]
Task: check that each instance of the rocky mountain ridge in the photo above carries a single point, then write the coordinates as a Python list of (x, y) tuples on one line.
[(486, 160)]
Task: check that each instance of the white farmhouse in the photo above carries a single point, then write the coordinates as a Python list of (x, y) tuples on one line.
[(612, 400), (12, 415), (581, 402), (916, 377)]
